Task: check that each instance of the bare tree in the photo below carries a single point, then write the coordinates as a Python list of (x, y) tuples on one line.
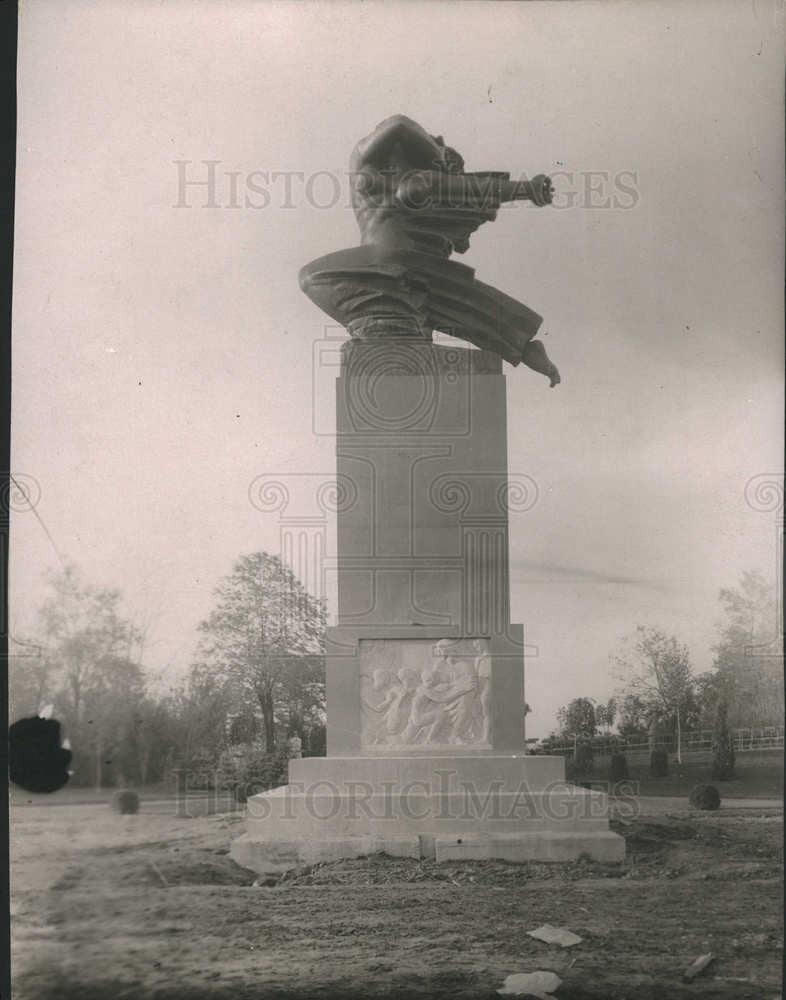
[(83, 633), (748, 667), (655, 667), (577, 718), (88, 667), (265, 637)]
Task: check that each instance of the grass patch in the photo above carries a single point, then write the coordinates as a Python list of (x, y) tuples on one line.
[(757, 774)]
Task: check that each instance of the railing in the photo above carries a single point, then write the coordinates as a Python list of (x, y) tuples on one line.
[(696, 741), (758, 739)]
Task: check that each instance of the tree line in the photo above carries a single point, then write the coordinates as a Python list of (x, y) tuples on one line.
[(660, 695), (257, 680)]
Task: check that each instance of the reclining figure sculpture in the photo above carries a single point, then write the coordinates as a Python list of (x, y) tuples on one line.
[(415, 205)]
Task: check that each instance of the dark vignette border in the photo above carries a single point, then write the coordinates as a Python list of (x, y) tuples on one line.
[(9, 16)]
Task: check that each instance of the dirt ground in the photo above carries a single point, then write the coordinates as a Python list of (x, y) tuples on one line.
[(151, 906)]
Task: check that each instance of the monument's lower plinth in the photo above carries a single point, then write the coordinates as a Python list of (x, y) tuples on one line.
[(462, 806)]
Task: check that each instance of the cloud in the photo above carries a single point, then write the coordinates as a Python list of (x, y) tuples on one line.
[(524, 571)]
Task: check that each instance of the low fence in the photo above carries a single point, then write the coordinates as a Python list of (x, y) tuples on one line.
[(696, 741)]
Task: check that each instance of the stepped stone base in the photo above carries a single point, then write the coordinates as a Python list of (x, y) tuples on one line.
[(515, 808)]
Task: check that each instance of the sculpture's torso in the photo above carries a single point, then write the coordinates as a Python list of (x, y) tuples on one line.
[(385, 221)]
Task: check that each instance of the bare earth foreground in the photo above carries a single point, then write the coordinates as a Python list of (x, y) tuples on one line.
[(108, 906)]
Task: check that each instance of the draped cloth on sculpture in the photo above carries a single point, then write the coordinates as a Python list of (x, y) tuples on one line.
[(376, 291)]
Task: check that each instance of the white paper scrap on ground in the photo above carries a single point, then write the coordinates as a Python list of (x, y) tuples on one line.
[(555, 935), (698, 966), (536, 984)]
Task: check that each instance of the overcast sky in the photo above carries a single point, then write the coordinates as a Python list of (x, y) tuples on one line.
[(163, 355)]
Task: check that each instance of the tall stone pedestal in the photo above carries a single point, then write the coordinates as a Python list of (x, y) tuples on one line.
[(425, 671)]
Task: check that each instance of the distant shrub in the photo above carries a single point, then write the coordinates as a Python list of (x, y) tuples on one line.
[(250, 769), (705, 797), (201, 766), (316, 741), (722, 746), (582, 760), (242, 790), (125, 802), (553, 745), (659, 763), (561, 745), (618, 767)]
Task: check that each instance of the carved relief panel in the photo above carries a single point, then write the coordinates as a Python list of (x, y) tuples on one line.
[(425, 693)]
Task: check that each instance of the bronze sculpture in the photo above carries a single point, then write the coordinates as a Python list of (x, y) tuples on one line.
[(415, 205)]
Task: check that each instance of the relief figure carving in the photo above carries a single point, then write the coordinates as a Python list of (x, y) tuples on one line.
[(419, 693)]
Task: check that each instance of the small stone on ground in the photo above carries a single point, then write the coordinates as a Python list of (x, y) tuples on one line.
[(555, 935), (535, 984)]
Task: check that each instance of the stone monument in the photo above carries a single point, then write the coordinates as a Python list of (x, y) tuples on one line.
[(425, 670)]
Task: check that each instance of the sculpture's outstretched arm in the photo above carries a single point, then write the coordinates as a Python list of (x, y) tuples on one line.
[(534, 356), (421, 147), (476, 190)]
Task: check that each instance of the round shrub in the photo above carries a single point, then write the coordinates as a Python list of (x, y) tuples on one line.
[(705, 797), (618, 767), (659, 763), (125, 802)]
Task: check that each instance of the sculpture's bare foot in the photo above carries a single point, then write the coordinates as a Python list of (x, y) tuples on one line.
[(534, 356)]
